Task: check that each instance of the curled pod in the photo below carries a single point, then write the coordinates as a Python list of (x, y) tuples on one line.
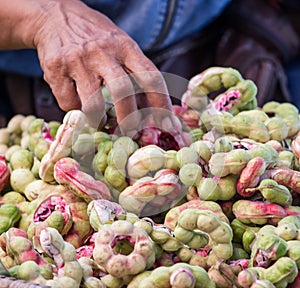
[(201, 224), (140, 257)]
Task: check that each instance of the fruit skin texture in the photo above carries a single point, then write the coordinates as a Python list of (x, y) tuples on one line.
[(224, 210)]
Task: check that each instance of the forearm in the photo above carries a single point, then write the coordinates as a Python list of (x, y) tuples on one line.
[(19, 22), (80, 50)]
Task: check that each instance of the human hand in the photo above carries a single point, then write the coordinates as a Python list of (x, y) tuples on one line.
[(80, 50)]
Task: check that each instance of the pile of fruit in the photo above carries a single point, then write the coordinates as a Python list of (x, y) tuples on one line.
[(88, 208)]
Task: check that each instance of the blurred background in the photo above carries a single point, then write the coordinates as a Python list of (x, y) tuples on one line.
[(260, 38)]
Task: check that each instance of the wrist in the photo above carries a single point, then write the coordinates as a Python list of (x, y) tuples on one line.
[(33, 22), (21, 21)]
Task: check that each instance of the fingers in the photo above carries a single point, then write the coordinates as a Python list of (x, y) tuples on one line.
[(119, 84), (64, 91), (152, 83), (149, 78), (78, 57), (78, 86), (88, 87), (81, 89), (93, 107), (77, 91)]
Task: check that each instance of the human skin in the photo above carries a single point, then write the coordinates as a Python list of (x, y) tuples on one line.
[(80, 50)]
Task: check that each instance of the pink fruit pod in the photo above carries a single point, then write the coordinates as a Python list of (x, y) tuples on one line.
[(173, 137), (166, 136), (21, 249), (202, 84), (292, 210), (52, 212), (195, 225), (257, 212), (173, 214), (108, 238), (250, 176), (289, 210), (103, 211), (66, 172), (64, 257), (71, 218), (179, 275), (61, 147), (285, 176), (239, 93), (281, 273), (149, 133), (150, 196), (4, 173), (149, 136), (144, 160)]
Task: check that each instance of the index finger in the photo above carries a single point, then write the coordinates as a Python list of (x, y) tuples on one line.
[(118, 83), (153, 84), (151, 81)]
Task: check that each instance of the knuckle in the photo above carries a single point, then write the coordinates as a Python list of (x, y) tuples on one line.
[(153, 80), (52, 64), (73, 54), (91, 47), (132, 45), (121, 86)]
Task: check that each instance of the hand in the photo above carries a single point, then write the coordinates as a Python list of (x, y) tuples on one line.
[(80, 50)]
